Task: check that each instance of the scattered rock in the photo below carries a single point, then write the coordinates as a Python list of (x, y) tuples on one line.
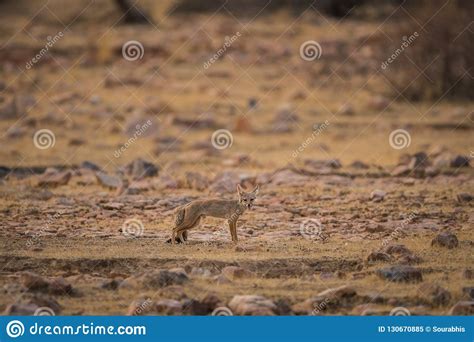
[(89, 165), (168, 307), (225, 182), (108, 181), (252, 305), (379, 103), (141, 307), (323, 164), (400, 170), (464, 197), (377, 195), (200, 272), (418, 161), (468, 273), (469, 291), (460, 161), (10, 110), (111, 284), (462, 308), (34, 282), (347, 109), (160, 278), (445, 239), (357, 164), (195, 180), (53, 178), (235, 272), (379, 256), (139, 169), (59, 286), (400, 273), (438, 295), (20, 309)]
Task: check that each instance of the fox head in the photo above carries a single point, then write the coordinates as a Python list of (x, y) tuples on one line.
[(247, 199)]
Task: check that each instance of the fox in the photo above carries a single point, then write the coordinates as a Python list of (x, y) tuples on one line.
[(190, 215)]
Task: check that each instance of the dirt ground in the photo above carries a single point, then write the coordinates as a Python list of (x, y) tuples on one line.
[(338, 204)]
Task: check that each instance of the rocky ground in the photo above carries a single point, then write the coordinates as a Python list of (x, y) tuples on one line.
[(345, 223)]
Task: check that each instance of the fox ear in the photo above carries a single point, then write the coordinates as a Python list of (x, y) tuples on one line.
[(255, 191), (239, 189)]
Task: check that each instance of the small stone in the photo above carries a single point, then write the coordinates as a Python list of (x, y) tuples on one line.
[(235, 272), (400, 273), (378, 195), (195, 180), (111, 284), (468, 273), (89, 165), (140, 307), (462, 308), (445, 239), (460, 161), (252, 305), (162, 278), (20, 309), (54, 179), (33, 282), (359, 165), (464, 197), (418, 160), (438, 295), (108, 181), (469, 291), (60, 286), (139, 169), (401, 170), (379, 256), (168, 307)]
